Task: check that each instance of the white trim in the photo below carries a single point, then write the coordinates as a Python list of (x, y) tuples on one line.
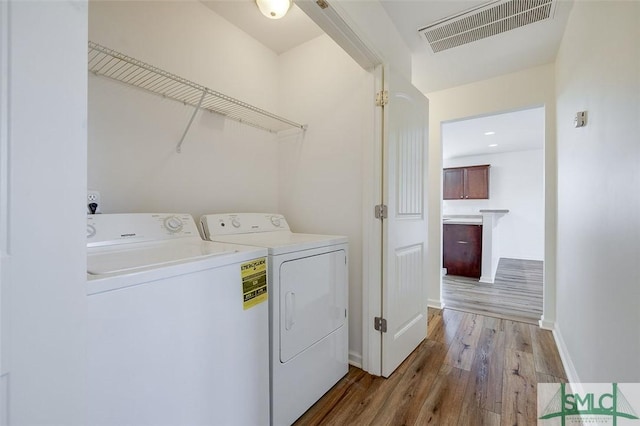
[(371, 248), (335, 22), (433, 303), (372, 244), (569, 368), (546, 325), (355, 359), (550, 193)]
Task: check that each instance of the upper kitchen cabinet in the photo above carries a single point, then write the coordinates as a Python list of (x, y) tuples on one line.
[(466, 183)]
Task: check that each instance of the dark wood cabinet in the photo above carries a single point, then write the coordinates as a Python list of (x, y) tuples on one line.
[(462, 250), (453, 184), (466, 183)]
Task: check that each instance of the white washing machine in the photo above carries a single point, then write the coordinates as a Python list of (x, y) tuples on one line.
[(178, 326), (308, 292)]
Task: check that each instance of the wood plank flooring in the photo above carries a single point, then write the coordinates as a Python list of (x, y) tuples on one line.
[(471, 370), (516, 293)]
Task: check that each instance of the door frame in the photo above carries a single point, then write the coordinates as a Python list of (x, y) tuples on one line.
[(336, 22), (372, 239), (547, 320)]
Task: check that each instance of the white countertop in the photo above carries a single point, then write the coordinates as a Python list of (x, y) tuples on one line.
[(454, 219)]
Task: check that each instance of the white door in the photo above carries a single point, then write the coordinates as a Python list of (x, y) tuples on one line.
[(404, 241)]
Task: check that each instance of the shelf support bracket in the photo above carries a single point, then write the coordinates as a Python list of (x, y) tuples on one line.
[(193, 116)]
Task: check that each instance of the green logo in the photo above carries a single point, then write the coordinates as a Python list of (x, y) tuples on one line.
[(564, 404)]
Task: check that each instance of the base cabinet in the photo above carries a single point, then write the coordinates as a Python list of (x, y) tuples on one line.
[(462, 250)]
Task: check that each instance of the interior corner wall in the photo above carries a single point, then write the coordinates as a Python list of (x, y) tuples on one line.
[(516, 184), (224, 165), (43, 241), (598, 291), (321, 171), (520, 90)]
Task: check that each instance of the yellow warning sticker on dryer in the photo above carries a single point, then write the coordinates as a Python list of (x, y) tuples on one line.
[(254, 282)]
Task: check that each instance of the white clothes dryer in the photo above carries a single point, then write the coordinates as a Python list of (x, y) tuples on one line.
[(177, 326), (308, 300)]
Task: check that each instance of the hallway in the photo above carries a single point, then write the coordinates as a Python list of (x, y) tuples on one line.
[(516, 293), (471, 370)]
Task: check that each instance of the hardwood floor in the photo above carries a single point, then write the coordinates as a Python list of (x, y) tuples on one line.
[(471, 370), (516, 293)]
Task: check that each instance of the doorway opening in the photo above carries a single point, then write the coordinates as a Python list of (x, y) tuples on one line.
[(508, 221)]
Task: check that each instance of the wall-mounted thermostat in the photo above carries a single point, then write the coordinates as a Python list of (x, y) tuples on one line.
[(581, 119)]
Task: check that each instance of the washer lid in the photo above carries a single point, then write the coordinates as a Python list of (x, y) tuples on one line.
[(283, 241), (138, 256)]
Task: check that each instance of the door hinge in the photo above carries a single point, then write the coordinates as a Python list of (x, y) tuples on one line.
[(380, 324), (382, 98), (380, 211)]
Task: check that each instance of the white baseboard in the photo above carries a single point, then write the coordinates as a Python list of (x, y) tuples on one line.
[(569, 368), (432, 303), (486, 280), (546, 325), (355, 359)]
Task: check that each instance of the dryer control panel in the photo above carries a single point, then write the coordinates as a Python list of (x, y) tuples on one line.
[(242, 223), (109, 229)]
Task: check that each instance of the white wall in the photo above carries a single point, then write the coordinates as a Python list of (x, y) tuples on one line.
[(314, 179), (520, 90), (321, 174), (189, 39), (516, 184), (598, 290), (4, 210), (224, 165), (43, 245)]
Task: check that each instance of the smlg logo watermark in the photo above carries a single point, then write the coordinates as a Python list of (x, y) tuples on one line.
[(575, 404)]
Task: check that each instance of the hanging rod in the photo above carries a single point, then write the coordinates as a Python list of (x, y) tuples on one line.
[(106, 62)]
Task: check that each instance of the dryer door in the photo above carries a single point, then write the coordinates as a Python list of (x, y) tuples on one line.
[(313, 300)]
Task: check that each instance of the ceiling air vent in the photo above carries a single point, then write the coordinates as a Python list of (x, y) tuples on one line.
[(485, 21)]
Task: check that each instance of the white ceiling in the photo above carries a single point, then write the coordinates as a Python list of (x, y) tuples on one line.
[(525, 47), (278, 35), (522, 48), (514, 131)]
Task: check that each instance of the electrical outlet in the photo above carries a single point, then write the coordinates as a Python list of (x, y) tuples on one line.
[(93, 197)]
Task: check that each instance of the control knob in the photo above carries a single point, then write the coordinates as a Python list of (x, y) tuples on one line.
[(275, 221), (173, 224), (235, 222)]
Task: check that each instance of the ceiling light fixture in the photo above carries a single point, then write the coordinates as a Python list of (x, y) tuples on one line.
[(274, 9), (493, 145), (489, 133)]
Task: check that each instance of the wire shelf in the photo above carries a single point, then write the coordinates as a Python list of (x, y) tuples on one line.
[(106, 62)]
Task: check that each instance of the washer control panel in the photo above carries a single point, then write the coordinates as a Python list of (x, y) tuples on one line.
[(173, 224), (242, 223), (108, 229)]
